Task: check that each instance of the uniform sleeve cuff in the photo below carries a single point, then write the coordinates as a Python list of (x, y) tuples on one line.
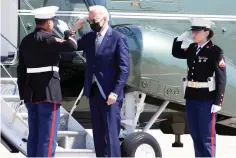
[(72, 39)]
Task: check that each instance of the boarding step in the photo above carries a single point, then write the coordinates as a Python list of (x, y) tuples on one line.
[(67, 139), (72, 139), (70, 133), (61, 152), (10, 98), (8, 80), (9, 90), (64, 119), (8, 87), (25, 115), (16, 106)]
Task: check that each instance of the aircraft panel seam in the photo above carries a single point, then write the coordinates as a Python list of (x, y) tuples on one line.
[(144, 15)]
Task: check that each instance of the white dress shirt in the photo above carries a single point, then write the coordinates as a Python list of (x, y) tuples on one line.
[(201, 46)]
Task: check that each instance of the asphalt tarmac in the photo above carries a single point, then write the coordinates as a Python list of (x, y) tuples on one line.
[(226, 146)]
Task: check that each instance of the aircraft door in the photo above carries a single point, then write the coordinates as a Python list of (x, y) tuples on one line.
[(8, 40)]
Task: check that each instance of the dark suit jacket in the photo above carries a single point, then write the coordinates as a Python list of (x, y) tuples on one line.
[(111, 64)]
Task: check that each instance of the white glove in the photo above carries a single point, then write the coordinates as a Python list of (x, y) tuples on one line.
[(62, 26), (183, 36), (215, 108)]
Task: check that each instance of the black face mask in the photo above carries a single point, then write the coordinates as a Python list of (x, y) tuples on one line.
[(96, 27)]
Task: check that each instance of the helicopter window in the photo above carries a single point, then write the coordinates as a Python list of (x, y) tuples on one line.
[(69, 12), (76, 1), (74, 5), (143, 5)]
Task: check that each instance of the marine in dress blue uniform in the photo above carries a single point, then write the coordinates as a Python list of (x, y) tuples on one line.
[(39, 81), (107, 70), (204, 85)]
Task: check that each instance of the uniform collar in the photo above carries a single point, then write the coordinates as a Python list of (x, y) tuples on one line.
[(39, 28), (201, 46)]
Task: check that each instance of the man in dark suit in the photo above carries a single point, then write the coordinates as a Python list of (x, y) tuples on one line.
[(39, 81), (107, 70)]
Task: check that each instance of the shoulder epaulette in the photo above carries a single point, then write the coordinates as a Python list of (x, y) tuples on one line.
[(217, 48)]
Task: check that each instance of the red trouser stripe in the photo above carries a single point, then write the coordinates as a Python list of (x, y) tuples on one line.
[(212, 134), (52, 130)]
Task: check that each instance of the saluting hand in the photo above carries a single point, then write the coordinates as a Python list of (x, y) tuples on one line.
[(111, 98), (183, 36), (79, 24)]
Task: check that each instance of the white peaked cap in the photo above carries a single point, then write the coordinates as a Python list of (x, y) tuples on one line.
[(45, 12), (200, 22)]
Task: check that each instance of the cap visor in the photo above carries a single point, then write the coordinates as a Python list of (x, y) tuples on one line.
[(197, 28), (194, 29)]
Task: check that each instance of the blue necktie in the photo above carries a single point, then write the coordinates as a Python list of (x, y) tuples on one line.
[(98, 42), (198, 50)]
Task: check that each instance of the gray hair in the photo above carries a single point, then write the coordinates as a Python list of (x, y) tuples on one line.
[(100, 10)]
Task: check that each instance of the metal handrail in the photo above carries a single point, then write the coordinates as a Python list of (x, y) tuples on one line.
[(9, 74), (21, 103), (81, 92), (15, 59)]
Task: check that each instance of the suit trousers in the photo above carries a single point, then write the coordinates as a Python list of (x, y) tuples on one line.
[(106, 122), (43, 120), (201, 123)]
